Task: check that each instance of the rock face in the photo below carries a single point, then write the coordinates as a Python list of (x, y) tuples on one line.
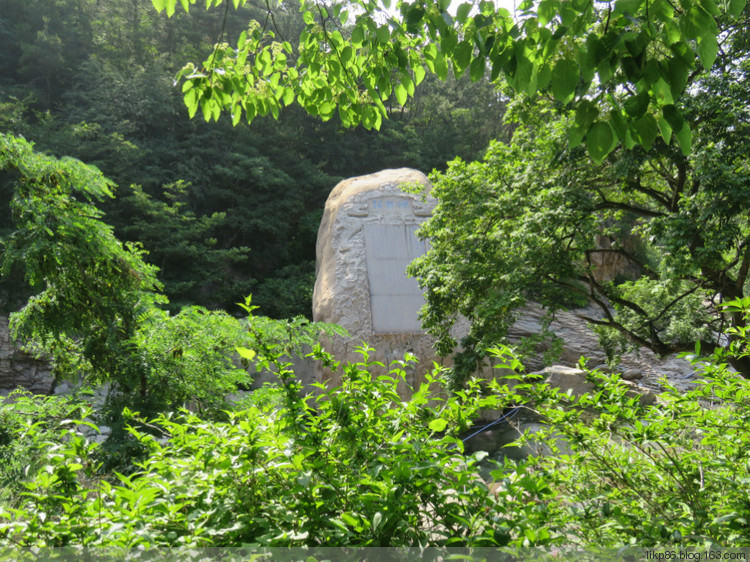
[(365, 241), (569, 379), (19, 369), (579, 340)]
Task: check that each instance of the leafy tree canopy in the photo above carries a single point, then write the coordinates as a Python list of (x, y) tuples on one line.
[(621, 66), (536, 220), (204, 198)]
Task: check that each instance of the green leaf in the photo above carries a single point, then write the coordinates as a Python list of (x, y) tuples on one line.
[(358, 36), (708, 48), (441, 68), (677, 74), (383, 34), (191, 102), (461, 57), (685, 138), (673, 117), (665, 129), (476, 71), (347, 54), (462, 13), (159, 5), (419, 74), (414, 17), (438, 425), (544, 76), (618, 123), (326, 110), (586, 113), (662, 92), (525, 75), (627, 7), (350, 519), (635, 106), (288, 96), (564, 80), (245, 353), (448, 41), (646, 129), (547, 10), (401, 94), (600, 140), (735, 7), (698, 23)]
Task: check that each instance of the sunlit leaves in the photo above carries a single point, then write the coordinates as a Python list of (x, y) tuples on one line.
[(600, 140), (648, 49)]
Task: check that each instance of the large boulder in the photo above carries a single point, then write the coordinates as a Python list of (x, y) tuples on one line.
[(365, 242)]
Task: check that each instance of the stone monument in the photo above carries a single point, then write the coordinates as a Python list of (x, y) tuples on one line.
[(365, 241)]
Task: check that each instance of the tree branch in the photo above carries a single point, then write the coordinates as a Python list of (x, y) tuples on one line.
[(652, 193), (744, 267), (605, 204)]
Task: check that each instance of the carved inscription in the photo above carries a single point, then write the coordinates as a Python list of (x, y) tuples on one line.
[(395, 299)]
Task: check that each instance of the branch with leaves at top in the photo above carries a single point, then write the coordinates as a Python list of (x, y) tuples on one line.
[(648, 50)]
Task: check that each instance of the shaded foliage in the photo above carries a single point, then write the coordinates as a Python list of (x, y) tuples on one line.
[(250, 197), (536, 219)]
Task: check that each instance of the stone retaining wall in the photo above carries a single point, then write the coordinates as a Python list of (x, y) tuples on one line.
[(19, 369)]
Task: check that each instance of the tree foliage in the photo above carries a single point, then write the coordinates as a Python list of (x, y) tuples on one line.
[(622, 66), (91, 287), (250, 198), (535, 220), (96, 309)]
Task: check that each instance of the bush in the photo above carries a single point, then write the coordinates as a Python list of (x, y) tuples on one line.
[(357, 465), (27, 424), (672, 474)]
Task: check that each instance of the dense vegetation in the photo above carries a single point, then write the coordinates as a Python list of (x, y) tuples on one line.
[(359, 464), (537, 218), (223, 212)]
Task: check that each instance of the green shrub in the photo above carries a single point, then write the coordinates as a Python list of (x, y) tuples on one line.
[(357, 465), (27, 423), (672, 474)]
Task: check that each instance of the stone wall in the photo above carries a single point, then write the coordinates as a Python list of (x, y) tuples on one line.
[(19, 369)]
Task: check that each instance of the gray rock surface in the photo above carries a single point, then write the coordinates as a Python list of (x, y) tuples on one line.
[(20, 369), (365, 241), (580, 341), (573, 380)]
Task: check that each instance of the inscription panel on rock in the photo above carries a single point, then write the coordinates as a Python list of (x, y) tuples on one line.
[(395, 299)]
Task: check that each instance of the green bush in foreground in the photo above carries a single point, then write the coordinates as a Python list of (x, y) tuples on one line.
[(676, 473), (360, 466), (355, 465), (26, 422)]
